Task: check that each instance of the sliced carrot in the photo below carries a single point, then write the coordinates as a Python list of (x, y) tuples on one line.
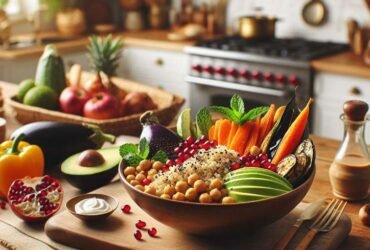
[(293, 136), (223, 131), (241, 137), (217, 128), (253, 139), (279, 113), (267, 123), (233, 129), (211, 133)]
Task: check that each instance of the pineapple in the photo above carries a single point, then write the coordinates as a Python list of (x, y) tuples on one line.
[(104, 54)]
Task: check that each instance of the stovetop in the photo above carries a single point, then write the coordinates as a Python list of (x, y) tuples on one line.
[(291, 49)]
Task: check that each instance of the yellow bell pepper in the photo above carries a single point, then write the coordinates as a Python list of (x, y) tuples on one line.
[(18, 159)]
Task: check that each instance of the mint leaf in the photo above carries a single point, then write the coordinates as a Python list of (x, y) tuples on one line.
[(132, 159), (127, 148), (227, 112), (203, 122), (237, 104), (143, 148), (254, 113), (160, 156)]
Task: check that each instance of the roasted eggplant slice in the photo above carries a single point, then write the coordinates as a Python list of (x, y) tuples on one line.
[(286, 166)]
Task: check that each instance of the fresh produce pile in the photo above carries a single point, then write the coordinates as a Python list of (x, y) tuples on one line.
[(244, 156), (96, 98)]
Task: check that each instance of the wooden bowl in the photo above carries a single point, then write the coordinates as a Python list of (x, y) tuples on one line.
[(208, 219), (72, 203)]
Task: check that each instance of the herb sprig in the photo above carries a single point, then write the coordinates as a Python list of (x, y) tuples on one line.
[(134, 153)]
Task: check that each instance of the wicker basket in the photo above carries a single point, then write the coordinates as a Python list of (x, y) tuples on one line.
[(168, 107)]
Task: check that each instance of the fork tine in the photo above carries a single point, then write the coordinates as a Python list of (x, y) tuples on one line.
[(339, 213), (329, 215), (322, 214)]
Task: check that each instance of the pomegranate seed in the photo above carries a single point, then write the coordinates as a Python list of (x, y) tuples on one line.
[(193, 152), (206, 146), (169, 163), (181, 145), (177, 150), (255, 163), (194, 146), (197, 142), (272, 167), (203, 138), (187, 150), (126, 209), (235, 166), (140, 224), (138, 235), (178, 161), (2, 204), (263, 157), (146, 182), (152, 232), (165, 168)]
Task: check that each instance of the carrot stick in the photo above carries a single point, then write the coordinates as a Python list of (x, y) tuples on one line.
[(254, 136), (211, 133), (266, 123), (293, 136), (217, 128), (233, 129), (223, 132), (241, 137), (279, 113)]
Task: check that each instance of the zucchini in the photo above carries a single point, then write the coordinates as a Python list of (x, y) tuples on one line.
[(50, 70)]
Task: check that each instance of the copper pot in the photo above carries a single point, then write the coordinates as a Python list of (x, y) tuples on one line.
[(257, 27)]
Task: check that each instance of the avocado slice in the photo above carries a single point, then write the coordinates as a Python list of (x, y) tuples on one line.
[(92, 177)]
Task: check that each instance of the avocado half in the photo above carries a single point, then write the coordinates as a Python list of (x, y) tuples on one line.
[(90, 178)]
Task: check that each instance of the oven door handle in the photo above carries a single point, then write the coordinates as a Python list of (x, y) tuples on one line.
[(238, 86)]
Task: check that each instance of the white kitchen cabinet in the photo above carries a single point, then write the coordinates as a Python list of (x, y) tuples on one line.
[(331, 91), (158, 68)]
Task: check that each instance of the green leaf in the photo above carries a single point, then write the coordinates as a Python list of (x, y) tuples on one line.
[(203, 122), (132, 159), (254, 114), (227, 112), (143, 148), (128, 148), (237, 104), (160, 156)]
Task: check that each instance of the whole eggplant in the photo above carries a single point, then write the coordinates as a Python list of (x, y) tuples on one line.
[(60, 140), (158, 136)]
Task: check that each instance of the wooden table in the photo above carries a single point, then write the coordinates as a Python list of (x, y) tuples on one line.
[(359, 237)]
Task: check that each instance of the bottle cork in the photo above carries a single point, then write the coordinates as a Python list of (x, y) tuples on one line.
[(355, 110)]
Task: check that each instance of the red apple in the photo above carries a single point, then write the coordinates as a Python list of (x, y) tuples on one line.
[(72, 100), (102, 106)]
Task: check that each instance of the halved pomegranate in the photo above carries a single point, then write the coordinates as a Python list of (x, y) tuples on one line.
[(35, 199)]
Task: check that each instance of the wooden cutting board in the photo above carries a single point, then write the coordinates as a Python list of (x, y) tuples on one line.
[(116, 232)]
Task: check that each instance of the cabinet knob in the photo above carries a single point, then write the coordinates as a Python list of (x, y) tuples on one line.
[(159, 62), (355, 91)]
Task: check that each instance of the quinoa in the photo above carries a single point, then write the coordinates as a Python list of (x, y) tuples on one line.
[(207, 164)]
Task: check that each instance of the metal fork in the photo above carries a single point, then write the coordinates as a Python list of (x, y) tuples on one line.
[(325, 222)]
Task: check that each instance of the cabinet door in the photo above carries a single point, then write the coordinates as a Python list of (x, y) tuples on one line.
[(331, 91), (159, 68)]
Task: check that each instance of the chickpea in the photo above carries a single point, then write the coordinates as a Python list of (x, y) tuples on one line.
[(205, 198), (166, 196), (178, 196), (150, 190), (138, 169), (150, 177), (216, 183), (191, 194), (129, 170), (200, 186), (228, 200), (224, 192), (140, 177), (169, 190), (130, 178), (181, 186), (192, 178), (152, 172), (254, 150), (145, 165), (157, 165), (134, 183), (140, 187), (215, 194)]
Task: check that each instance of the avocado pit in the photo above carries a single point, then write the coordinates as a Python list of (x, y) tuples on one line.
[(90, 158)]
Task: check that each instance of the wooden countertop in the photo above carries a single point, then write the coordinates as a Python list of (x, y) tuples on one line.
[(359, 237), (156, 39), (345, 63)]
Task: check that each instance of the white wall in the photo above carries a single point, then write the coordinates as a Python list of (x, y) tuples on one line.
[(292, 24)]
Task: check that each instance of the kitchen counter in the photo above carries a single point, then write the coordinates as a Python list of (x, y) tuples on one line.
[(156, 39), (345, 63), (359, 237)]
